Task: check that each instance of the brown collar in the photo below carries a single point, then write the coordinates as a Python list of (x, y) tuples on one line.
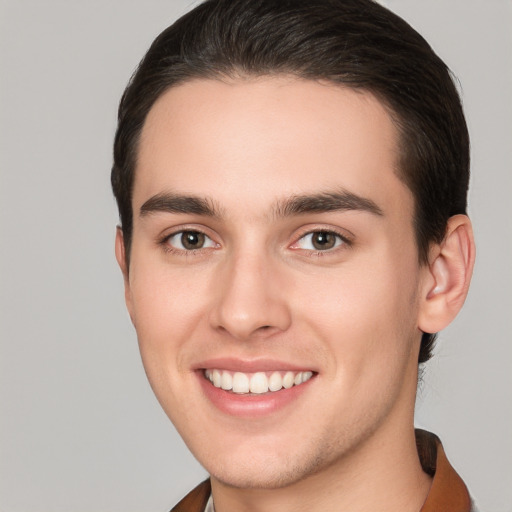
[(447, 494), (195, 500)]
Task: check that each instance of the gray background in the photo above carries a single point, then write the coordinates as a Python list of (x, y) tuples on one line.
[(80, 428)]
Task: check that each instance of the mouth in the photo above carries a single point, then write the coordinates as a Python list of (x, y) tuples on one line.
[(257, 383), (258, 388)]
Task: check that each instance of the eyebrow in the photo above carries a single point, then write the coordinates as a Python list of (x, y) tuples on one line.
[(326, 202), (296, 205), (176, 203)]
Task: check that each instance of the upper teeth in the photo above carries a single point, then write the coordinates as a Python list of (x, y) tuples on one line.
[(259, 382)]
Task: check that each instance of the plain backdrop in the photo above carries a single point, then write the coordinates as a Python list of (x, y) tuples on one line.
[(80, 430)]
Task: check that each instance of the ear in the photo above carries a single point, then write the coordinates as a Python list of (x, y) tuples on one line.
[(448, 276), (122, 262)]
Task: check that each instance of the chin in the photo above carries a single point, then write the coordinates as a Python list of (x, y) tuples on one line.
[(274, 475), (267, 469)]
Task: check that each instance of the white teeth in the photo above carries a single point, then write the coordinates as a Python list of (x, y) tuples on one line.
[(227, 381), (240, 383), (256, 383), (288, 380), (275, 382), (217, 378)]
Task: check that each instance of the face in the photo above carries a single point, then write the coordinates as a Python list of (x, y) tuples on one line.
[(274, 276)]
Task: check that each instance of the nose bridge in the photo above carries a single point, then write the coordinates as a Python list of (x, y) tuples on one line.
[(250, 301)]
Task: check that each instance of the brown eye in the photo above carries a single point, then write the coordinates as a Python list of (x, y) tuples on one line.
[(323, 240), (192, 240), (320, 241)]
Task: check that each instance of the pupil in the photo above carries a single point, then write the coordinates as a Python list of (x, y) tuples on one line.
[(323, 240), (192, 239)]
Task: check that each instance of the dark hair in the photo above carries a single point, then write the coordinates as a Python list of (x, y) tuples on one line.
[(356, 43)]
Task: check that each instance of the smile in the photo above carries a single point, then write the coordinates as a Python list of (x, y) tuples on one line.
[(256, 383)]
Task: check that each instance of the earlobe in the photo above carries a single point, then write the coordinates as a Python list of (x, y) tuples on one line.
[(448, 276), (120, 250)]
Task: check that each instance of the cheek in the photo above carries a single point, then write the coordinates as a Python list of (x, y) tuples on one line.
[(366, 314), (168, 306), (168, 309)]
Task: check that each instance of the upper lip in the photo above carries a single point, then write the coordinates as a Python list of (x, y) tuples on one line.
[(250, 365)]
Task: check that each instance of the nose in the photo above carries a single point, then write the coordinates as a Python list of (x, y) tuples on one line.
[(251, 298)]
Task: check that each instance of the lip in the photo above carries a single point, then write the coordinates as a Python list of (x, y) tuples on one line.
[(251, 366), (251, 405)]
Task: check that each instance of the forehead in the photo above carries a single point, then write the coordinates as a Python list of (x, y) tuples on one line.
[(260, 138)]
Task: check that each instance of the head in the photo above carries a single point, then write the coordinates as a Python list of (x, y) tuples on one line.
[(291, 179), (355, 43)]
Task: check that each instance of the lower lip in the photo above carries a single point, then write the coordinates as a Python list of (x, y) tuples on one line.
[(251, 405)]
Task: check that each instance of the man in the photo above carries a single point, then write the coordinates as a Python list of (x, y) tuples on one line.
[(291, 179)]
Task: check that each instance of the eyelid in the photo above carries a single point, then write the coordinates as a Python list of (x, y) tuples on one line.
[(163, 240), (344, 235), (346, 238)]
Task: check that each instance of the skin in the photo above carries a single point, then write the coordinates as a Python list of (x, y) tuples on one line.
[(258, 289)]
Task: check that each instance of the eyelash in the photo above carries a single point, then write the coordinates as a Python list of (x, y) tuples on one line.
[(345, 242), (164, 242)]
